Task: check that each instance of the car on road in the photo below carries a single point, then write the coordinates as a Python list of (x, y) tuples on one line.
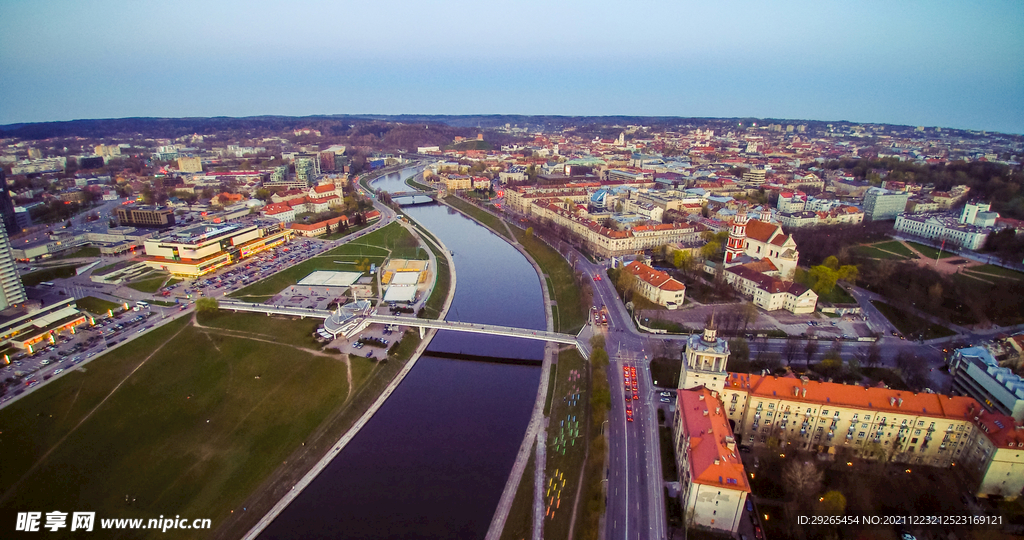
[(666, 394), (750, 505), (58, 372), (665, 400), (758, 533), (597, 277)]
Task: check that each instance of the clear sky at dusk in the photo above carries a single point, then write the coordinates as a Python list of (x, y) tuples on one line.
[(933, 62)]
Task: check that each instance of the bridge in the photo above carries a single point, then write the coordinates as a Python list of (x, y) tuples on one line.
[(422, 324)]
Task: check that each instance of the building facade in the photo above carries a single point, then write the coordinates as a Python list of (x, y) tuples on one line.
[(657, 286), (145, 216), (881, 204), (12, 291)]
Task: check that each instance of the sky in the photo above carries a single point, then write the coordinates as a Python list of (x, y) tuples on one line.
[(956, 64)]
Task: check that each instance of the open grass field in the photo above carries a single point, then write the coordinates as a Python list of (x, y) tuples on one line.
[(49, 274), (183, 421), (871, 252), (87, 251), (992, 270), (911, 325), (570, 315), (150, 284), (479, 214), (95, 305), (838, 295), (567, 442), (895, 247), (391, 241), (931, 252)]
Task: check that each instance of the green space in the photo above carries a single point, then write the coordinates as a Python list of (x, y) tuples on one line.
[(930, 252), (837, 295), (911, 325), (993, 270), (567, 436), (342, 234), (49, 274), (592, 505), (173, 281), (435, 302), (572, 312), (519, 523), (870, 252), (483, 216), (190, 434), (895, 247), (95, 305), (103, 270), (87, 251), (201, 434), (417, 185), (149, 285), (391, 241)]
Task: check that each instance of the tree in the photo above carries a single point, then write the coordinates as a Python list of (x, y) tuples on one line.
[(684, 261), (528, 235), (625, 282), (749, 314), (810, 348), (709, 250), (207, 305), (801, 478), (739, 349), (874, 354), (790, 351), (832, 503)]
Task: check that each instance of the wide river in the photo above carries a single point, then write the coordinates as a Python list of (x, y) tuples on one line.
[(433, 461)]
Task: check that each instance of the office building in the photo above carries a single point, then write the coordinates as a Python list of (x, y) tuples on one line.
[(199, 250), (977, 374), (145, 216), (12, 291), (7, 211), (881, 204)]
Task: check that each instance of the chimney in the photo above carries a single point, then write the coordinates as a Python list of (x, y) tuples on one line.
[(701, 397), (804, 380), (730, 442), (705, 412), (718, 410), (796, 391), (804, 393)]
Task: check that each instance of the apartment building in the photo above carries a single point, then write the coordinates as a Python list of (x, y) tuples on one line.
[(881, 204), (657, 286)]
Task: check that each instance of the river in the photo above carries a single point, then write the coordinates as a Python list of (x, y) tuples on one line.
[(433, 461)]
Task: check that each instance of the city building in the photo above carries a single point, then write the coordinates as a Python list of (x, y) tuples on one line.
[(759, 281), (791, 201), (7, 211), (32, 329), (307, 168), (198, 250), (656, 285), (942, 227), (12, 291), (977, 374), (757, 239), (190, 165), (144, 216), (881, 204), (712, 482), (856, 421)]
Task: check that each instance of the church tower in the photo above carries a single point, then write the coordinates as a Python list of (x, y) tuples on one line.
[(704, 360), (737, 237)]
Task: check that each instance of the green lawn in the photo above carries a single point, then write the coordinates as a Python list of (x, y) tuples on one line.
[(566, 441), (895, 247), (149, 285), (87, 251), (911, 325), (993, 270), (96, 305), (873, 253), (479, 214), (49, 274), (181, 434), (393, 240), (572, 315), (930, 252), (837, 295)]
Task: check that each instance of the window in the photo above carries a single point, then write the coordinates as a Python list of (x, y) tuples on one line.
[(855, 417), (917, 432), (771, 405), (867, 417)]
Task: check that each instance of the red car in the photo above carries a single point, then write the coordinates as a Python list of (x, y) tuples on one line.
[(758, 533), (597, 277)]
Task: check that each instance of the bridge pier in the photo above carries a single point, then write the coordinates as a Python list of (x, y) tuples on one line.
[(422, 331)]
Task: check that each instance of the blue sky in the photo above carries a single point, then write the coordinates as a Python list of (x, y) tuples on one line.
[(935, 63)]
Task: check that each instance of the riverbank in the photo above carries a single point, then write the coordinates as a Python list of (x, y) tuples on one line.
[(568, 460), (288, 496)]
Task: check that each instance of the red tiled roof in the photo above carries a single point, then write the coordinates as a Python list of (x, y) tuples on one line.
[(711, 459), (656, 278)]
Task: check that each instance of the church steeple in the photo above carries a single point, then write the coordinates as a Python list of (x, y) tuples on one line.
[(737, 237)]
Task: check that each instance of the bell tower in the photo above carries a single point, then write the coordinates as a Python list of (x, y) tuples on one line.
[(737, 237), (704, 360)]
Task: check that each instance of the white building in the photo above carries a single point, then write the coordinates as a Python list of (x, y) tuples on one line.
[(942, 227)]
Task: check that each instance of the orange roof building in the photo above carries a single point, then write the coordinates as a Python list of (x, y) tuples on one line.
[(657, 286), (713, 482)]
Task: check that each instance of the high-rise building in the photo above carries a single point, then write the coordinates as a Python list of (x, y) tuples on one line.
[(12, 291), (7, 208), (881, 204), (307, 168)]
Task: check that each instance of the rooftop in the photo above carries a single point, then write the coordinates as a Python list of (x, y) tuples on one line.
[(712, 447)]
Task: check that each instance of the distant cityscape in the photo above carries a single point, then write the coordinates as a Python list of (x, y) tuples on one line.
[(790, 318)]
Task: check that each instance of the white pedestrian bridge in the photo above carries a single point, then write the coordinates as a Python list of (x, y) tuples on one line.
[(351, 326)]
